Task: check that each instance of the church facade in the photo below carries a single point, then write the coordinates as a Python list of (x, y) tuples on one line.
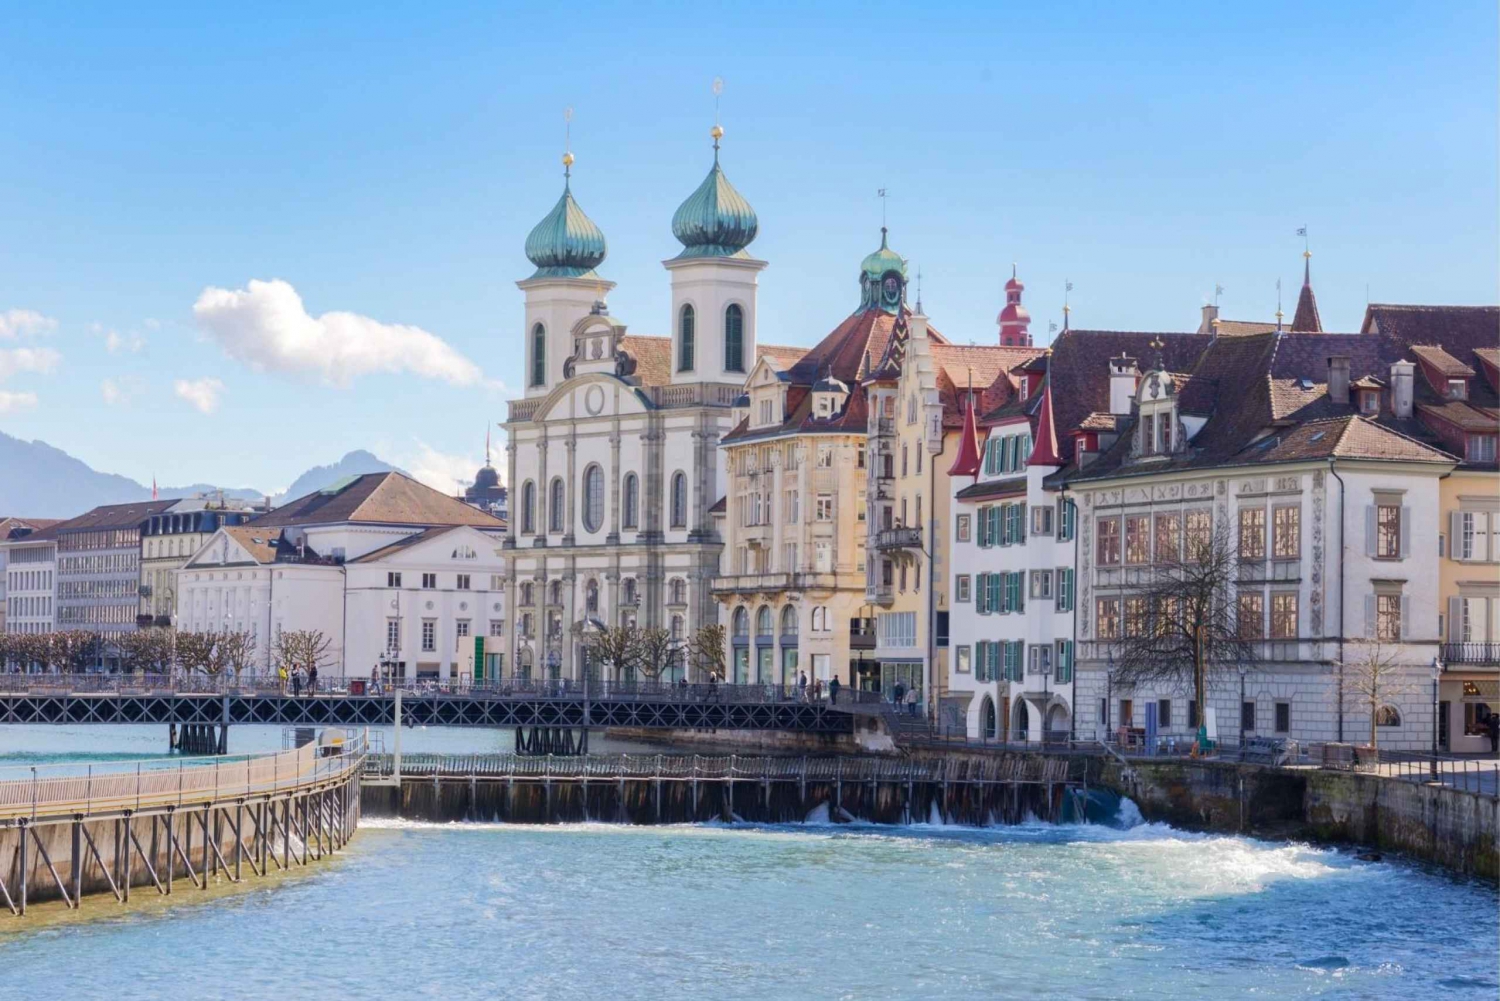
[(613, 459)]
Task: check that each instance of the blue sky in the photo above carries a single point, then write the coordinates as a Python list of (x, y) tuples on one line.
[(388, 164)]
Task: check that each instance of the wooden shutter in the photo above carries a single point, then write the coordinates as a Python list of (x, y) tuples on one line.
[(1370, 530), (1455, 534), (1405, 535), (1455, 620)]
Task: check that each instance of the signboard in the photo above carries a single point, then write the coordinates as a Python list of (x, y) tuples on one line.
[(478, 658), (1211, 722)]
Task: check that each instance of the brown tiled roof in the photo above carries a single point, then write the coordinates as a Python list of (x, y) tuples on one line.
[(108, 516), (259, 543), (378, 498), (1465, 415), (784, 355), (1368, 382), (721, 506), (653, 358), (1013, 487), (1348, 437), (1099, 420), (1490, 355), (1306, 319), (30, 526), (990, 366), (1239, 328), (1461, 328), (1442, 361)]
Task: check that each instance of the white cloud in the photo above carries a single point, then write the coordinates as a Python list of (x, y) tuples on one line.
[(14, 360), (121, 391), (201, 393), (115, 342), (266, 326), (12, 403), (24, 322), (440, 470)]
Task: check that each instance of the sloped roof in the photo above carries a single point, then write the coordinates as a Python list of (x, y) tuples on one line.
[(105, 517), (1239, 328), (406, 543), (1441, 361), (12, 526), (988, 365), (1461, 328), (1347, 437), (259, 543), (377, 498)]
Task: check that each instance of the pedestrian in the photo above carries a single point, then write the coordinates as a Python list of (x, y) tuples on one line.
[(802, 687), (375, 680), (897, 694), (911, 701), (1493, 726), (296, 683), (281, 677), (312, 680), (833, 691)]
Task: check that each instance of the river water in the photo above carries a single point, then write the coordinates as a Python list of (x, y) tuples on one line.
[(798, 911)]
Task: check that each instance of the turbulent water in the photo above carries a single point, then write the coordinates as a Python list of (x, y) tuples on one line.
[(789, 912)]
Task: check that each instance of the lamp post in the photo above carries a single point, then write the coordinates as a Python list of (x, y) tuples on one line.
[(1242, 709), (1437, 668)]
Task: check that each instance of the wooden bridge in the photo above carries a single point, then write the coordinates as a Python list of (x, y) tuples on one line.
[(667, 788), (68, 830)]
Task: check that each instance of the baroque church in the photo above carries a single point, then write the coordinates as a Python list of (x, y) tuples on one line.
[(613, 450)]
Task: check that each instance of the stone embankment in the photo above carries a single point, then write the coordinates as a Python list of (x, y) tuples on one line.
[(1456, 829)]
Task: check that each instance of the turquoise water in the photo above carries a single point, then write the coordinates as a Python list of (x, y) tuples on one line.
[(798, 911)]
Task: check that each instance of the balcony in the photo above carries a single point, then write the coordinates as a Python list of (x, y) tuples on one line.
[(1471, 655), (898, 538), (882, 426), (862, 638), (880, 594)]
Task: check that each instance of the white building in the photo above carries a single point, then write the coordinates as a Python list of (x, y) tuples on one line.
[(1014, 584), (613, 452), (31, 583), (392, 572)]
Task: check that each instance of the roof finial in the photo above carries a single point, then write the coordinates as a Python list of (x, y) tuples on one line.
[(880, 193), (919, 289), (567, 157), (718, 130), (1067, 288), (1279, 313), (1013, 269), (486, 444)]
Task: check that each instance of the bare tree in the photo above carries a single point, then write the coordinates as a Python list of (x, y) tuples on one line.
[(195, 651), (657, 652), (706, 650), (617, 647), (1180, 624), (236, 650), (1372, 675), (302, 649)]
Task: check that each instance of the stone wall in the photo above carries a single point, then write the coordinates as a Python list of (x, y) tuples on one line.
[(1455, 829)]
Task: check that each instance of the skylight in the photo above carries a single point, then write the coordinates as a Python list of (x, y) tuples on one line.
[(1318, 436)]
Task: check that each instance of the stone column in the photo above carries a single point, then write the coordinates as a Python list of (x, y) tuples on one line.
[(613, 538), (543, 510), (514, 500)]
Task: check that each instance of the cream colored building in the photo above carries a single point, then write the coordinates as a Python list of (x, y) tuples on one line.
[(168, 541)]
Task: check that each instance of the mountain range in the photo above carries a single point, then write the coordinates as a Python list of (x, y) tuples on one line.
[(40, 481)]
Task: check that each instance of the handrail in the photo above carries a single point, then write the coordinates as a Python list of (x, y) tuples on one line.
[(99, 789)]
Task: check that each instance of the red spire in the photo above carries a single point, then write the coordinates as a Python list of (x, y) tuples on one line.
[(967, 462), (1044, 452), (1306, 319)]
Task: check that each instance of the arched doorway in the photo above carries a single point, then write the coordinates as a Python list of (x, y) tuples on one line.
[(1057, 722), (1018, 719), (988, 724)]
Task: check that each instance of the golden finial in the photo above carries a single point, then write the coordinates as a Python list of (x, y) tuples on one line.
[(718, 130), (567, 157), (1158, 343)]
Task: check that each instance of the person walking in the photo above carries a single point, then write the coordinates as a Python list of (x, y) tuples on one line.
[(281, 677), (833, 691), (296, 683), (802, 687), (897, 694), (312, 680), (911, 701), (1493, 726)]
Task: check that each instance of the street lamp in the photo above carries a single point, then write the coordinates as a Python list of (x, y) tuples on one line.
[(1437, 669), (1242, 709)]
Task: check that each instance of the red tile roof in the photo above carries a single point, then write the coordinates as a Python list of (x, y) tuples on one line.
[(377, 498), (1442, 361), (966, 461)]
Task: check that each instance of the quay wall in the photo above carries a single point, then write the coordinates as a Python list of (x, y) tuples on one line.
[(1450, 827)]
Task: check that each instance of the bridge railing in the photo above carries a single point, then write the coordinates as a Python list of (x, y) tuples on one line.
[(510, 688), (88, 789)]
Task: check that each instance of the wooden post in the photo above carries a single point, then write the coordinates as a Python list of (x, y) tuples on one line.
[(239, 841), (75, 872), (203, 868), (25, 866), (122, 838), (171, 855)]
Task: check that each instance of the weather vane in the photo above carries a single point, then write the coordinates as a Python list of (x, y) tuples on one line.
[(718, 130), (567, 158), (1306, 247), (1218, 291), (880, 193)]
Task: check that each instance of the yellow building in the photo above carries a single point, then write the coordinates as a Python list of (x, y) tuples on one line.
[(1470, 607)]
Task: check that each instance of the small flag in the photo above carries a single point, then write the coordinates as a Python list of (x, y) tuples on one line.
[(1218, 290), (1301, 230), (880, 192), (153, 487), (1068, 286), (1051, 328)]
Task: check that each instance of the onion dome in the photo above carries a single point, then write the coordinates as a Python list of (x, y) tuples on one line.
[(715, 221), (566, 243), (881, 261), (882, 279)]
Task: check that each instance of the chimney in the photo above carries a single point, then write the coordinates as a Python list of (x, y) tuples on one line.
[(1210, 317), (1338, 379), (1403, 377), (1123, 377)]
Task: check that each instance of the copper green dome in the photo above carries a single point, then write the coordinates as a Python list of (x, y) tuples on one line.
[(715, 221), (566, 243), (882, 279)]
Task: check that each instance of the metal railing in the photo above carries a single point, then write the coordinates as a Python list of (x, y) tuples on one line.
[(93, 788), (899, 538), (1471, 653)]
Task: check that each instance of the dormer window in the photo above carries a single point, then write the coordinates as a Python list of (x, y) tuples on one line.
[(766, 407), (1369, 402), (1156, 401), (1458, 389), (1021, 389), (1480, 448)]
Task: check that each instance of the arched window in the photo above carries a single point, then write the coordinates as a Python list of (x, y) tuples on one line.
[(734, 338), (538, 355), (789, 621), (554, 593), (591, 597), (555, 506), (528, 507), (593, 498), (685, 339), (679, 500), (677, 591), (819, 618), (677, 627), (741, 621), (763, 621), (632, 500), (1387, 716), (627, 590)]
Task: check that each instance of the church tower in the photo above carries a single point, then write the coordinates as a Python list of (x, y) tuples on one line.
[(566, 247), (1014, 321), (714, 282)]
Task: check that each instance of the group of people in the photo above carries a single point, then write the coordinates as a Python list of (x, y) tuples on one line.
[(815, 691), (297, 680)]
